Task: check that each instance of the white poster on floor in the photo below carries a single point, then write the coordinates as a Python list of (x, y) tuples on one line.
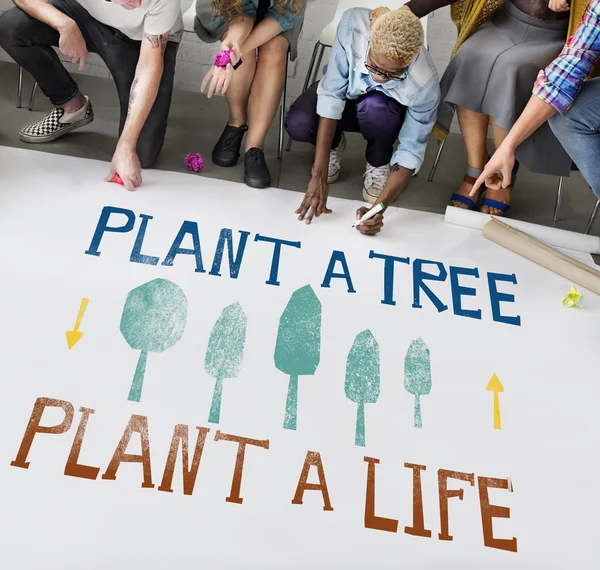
[(191, 378)]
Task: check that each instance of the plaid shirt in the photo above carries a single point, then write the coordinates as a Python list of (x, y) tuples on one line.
[(559, 84)]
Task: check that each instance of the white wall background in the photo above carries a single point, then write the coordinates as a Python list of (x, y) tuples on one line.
[(194, 56)]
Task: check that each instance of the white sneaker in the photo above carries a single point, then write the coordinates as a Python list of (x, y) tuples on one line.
[(375, 179), (335, 158)]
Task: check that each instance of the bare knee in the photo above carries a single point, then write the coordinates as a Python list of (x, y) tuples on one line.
[(274, 52)]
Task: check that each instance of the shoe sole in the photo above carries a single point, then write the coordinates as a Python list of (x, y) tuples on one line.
[(368, 198), (225, 162), (334, 178), (32, 139), (257, 183)]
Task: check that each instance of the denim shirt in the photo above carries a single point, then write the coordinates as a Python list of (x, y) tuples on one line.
[(286, 20), (348, 78)]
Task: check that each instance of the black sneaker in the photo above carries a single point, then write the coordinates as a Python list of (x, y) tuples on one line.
[(227, 150), (256, 171)]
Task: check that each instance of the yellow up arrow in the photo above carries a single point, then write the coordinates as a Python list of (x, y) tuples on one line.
[(74, 336), (495, 386)]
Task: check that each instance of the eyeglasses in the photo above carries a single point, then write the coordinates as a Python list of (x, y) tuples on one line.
[(386, 74)]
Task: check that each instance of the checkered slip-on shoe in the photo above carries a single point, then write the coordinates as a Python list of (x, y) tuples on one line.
[(57, 124)]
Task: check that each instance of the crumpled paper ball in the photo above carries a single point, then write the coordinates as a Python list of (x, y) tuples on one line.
[(572, 300), (194, 161), (223, 58)]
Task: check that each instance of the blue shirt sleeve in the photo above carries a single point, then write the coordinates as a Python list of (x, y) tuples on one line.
[(333, 88), (418, 124)]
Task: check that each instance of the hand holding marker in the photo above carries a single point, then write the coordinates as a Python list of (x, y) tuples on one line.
[(370, 214)]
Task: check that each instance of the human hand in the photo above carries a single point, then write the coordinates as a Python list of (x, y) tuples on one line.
[(219, 77), (72, 44), (370, 227), (126, 164), (497, 173), (559, 5), (377, 13), (315, 200)]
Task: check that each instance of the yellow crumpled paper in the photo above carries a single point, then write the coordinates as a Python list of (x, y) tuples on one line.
[(572, 298)]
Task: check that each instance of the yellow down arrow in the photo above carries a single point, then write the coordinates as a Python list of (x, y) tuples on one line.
[(74, 336), (495, 386)]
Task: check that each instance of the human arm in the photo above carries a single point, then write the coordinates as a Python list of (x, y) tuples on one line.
[(270, 27), (315, 199), (263, 32), (420, 8), (408, 158), (498, 171), (71, 42), (418, 123), (219, 78), (397, 181), (142, 95), (559, 5), (555, 91), (331, 102)]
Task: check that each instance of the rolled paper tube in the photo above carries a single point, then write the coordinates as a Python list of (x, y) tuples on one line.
[(223, 58), (542, 254), (553, 236)]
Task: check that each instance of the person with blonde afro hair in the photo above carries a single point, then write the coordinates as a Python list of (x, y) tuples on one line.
[(381, 82), (397, 36)]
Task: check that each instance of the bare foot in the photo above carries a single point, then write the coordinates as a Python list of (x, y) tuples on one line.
[(464, 189), (502, 195)]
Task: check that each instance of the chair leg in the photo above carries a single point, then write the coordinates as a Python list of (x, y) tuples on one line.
[(309, 74), (19, 87), (33, 92), (318, 64), (436, 161), (282, 112), (559, 194), (311, 67), (592, 217)]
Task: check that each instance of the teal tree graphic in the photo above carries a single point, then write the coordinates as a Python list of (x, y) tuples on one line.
[(298, 348), (362, 378), (225, 352), (417, 375), (153, 320)]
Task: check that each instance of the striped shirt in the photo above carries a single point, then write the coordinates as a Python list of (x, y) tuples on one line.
[(559, 84)]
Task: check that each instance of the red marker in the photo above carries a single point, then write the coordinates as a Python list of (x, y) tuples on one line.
[(117, 179)]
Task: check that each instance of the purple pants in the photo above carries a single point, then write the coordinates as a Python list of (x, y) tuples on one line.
[(375, 115)]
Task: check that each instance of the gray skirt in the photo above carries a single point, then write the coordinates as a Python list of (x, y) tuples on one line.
[(493, 72), (208, 33)]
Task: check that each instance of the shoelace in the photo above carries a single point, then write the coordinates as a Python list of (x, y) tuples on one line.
[(230, 139), (254, 159), (375, 176), (334, 160)]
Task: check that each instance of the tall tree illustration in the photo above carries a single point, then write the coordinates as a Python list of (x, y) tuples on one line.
[(298, 348), (153, 320), (225, 352), (417, 375), (362, 378)]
